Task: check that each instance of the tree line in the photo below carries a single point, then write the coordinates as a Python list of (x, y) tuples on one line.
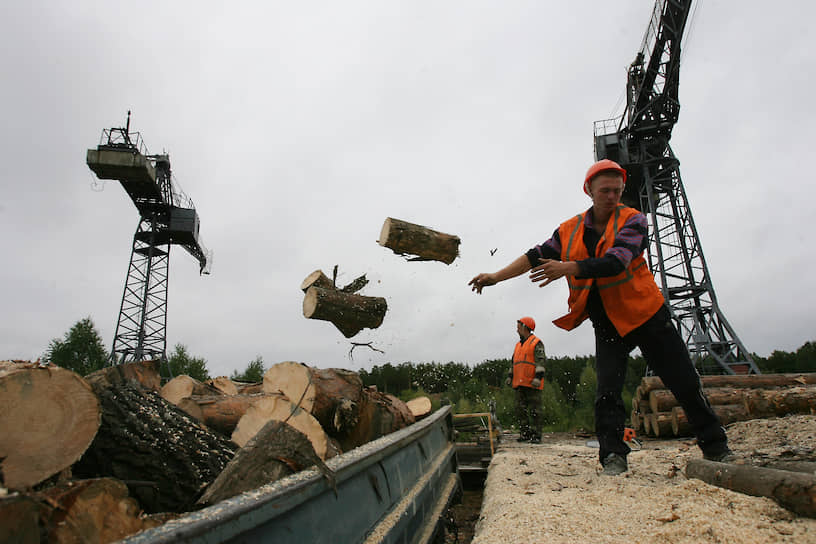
[(568, 396)]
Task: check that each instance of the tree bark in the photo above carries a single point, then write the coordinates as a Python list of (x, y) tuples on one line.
[(380, 414), (224, 385), (19, 519), (143, 373), (405, 238), (780, 402), (183, 386), (48, 417), (350, 313), (276, 451), (795, 491), (220, 413), (164, 455)]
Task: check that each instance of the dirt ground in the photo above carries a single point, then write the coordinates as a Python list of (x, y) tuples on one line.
[(553, 492)]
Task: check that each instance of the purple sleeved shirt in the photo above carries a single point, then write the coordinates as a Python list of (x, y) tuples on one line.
[(631, 241)]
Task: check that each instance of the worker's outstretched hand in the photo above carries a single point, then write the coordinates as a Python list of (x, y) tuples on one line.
[(480, 281), (548, 271)]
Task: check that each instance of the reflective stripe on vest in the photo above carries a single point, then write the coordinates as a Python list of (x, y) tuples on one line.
[(524, 363), (629, 298)]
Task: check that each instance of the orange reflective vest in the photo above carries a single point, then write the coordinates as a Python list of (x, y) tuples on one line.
[(629, 299), (524, 363)]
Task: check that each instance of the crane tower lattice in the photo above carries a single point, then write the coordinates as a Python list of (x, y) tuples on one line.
[(167, 217)]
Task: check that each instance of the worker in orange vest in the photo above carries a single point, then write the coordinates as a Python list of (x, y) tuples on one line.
[(526, 377), (600, 253)]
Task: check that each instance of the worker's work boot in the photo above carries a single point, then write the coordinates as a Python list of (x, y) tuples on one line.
[(720, 456), (614, 464)]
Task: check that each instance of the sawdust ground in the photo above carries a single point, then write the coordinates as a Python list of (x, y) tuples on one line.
[(553, 492)]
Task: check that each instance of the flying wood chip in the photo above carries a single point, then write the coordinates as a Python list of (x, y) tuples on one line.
[(405, 238)]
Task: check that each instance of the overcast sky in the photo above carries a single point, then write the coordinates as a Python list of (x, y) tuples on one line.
[(298, 127)]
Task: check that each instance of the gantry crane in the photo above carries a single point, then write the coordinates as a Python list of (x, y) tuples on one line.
[(166, 217), (639, 141)]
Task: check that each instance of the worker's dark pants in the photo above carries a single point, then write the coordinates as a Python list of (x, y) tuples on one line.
[(528, 411), (667, 356)]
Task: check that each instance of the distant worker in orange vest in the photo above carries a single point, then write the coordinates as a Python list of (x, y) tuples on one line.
[(527, 378), (600, 252)]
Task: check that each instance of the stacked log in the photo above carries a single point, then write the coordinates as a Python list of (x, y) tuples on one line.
[(80, 455), (425, 244), (655, 411)]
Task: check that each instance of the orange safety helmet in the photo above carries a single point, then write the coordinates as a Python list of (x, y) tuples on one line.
[(528, 322), (603, 166)]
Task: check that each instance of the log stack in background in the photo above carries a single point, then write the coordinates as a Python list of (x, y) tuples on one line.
[(655, 411)]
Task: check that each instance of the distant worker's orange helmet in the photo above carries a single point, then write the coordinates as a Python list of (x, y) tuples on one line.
[(604, 165), (528, 322)]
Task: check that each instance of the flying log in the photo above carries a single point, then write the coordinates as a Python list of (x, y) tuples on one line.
[(349, 312), (405, 238)]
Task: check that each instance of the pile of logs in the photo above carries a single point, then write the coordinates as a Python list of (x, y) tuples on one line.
[(104, 456), (655, 411)]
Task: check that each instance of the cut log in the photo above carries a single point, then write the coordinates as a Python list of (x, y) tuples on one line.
[(98, 510), (277, 450), (660, 424), (680, 424), (19, 519), (727, 413), (220, 413), (143, 373), (790, 400), (164, 455), (649, 383), (795, 491), (48, 417), (780, 402), (317, 279), (332, 395), (224, 385), (419, 407), (380, 414), (350, 313), (405, 238), (279, 408), (184, 386), (661, 400)]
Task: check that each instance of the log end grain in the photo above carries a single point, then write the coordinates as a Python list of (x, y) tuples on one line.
[(48, 416)]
